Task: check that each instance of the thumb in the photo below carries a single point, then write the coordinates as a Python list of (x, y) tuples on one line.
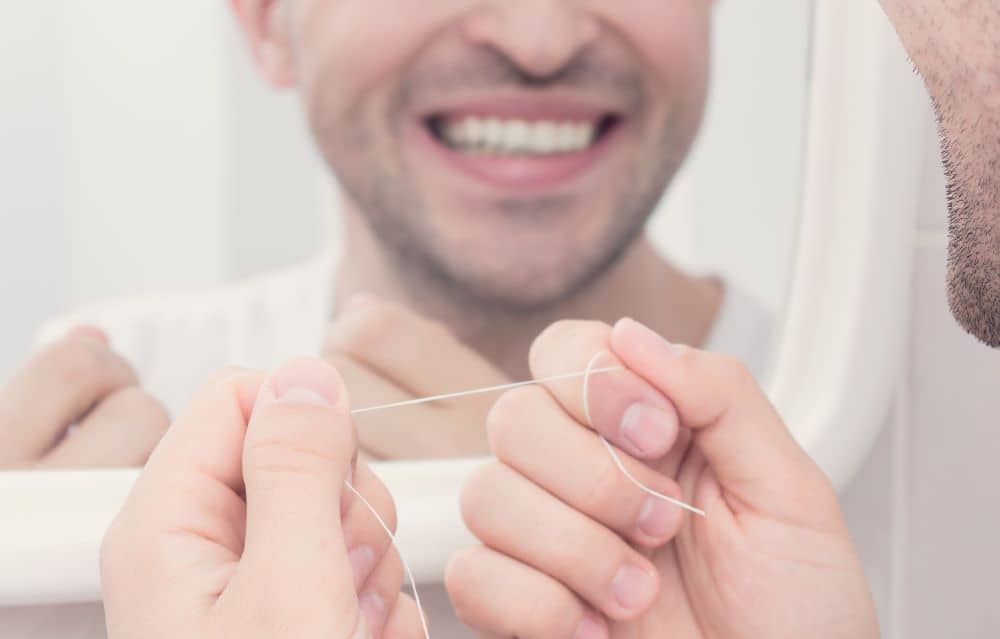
[(734, 426), (298, 452)]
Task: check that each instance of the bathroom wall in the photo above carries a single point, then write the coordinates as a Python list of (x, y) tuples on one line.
[(923, 507)]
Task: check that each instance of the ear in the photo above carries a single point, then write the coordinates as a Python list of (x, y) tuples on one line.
[(265, 28)]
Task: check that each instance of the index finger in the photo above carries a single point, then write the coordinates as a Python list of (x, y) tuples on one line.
[(734, 425), (207, 439), (617, 403)]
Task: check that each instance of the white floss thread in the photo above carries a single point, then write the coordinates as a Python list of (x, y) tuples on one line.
[(614, 454), (406, 565), (480, 391), (492, 389)]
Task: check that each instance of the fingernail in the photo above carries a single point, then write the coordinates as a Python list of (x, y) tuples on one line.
[(362, 561), (633, 587), (305, 382), (657, 518), (373, 608), (591, 628), (648, 429)]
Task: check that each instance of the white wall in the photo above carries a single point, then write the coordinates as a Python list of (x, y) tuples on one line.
[(139, 152), (923, 509), (34, 241)]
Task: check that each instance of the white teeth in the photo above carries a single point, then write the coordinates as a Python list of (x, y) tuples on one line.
[(498, 136)]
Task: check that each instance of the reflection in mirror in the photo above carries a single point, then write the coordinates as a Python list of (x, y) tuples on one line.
[(170, 214)]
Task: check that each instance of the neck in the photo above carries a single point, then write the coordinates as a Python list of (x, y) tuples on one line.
[(642, 285)]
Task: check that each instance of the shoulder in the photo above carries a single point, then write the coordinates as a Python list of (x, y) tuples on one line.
[(176, 339)]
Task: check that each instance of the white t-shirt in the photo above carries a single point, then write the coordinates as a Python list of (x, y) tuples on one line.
[(176, 341)]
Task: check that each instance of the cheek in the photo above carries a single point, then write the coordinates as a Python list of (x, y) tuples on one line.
[(348, 51), (672, 37)]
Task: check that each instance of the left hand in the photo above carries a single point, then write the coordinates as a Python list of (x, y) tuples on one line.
[(241, 526), (388, 353)]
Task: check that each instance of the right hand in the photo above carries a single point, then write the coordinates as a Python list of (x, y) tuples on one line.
[(571, 548), (77, 404)]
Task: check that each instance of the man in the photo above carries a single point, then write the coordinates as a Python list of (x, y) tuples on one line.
[(956, 50), (546, 224)]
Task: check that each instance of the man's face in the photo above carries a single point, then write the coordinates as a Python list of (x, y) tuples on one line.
[(509, 149)]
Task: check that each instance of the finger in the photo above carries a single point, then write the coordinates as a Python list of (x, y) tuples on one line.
[(407, 349), (619, 404), (503, 509), (185, 513), (734, 426), (404, 620), (378, 596), (500, 596), (56, 387), (366, 540), (298, 452), (121, 431), (588, 480)]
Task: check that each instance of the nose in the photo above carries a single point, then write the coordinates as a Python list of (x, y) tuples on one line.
[(540, 36)]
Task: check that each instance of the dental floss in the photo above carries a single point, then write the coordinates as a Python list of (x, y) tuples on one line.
[(502, 387), (406, 565), (614, 454), (480, 391)]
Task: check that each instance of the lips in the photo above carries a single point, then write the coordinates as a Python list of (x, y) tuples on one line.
[(525, 144)]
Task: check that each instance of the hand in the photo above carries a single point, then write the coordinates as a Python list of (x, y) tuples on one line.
[(77, 404), (388, 353), (190, 556), (572, 549)]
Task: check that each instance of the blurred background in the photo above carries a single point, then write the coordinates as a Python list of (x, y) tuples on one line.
[(139, 152)]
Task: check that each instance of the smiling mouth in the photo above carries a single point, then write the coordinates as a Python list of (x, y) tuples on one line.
[(516, 137)]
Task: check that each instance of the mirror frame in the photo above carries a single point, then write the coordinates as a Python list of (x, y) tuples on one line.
[(837, 357)]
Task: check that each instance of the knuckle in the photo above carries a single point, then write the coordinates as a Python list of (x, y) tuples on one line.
[(513, 408), (140, 406), (567, 334), (374, 323), (545, 617), (686, 357), (384, 504), (462, 582), (78, 361), (301, 445), (733, 372), (607, 489), (282, 456), (476, 498)]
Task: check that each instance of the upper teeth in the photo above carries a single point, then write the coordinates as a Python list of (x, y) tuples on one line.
[(518, 136)]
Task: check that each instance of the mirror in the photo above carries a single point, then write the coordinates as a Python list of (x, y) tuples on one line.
[(168, 197)]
